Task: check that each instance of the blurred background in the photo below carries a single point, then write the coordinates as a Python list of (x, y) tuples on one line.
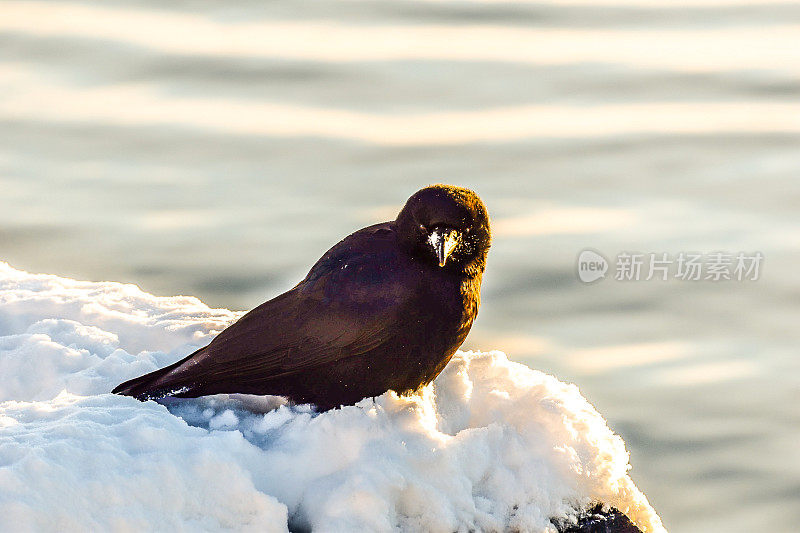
[(218, 149)]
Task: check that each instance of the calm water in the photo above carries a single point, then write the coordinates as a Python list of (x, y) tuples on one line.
[(219, 149)]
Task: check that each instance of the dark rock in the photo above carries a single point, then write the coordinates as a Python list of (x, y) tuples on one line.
[(599, 520)]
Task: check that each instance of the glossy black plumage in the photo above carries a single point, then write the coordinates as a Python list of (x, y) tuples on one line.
[(384, 309)]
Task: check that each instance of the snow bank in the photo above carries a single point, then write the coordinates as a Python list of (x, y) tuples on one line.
[(491, 445)]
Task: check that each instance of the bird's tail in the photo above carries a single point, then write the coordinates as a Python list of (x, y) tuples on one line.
[(156, 384)]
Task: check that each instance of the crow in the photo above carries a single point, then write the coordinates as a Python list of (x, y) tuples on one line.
[(384, 309)]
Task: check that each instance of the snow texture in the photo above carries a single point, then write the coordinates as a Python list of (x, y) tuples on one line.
[(491, 445)]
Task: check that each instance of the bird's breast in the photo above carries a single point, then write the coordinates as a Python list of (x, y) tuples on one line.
[(449, 308)]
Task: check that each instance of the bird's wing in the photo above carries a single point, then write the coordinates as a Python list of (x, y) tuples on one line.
[(349, 304)]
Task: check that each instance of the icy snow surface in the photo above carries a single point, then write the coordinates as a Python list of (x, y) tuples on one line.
[(491, 445)]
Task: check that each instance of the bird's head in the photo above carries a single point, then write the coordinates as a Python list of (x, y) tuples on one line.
[(447, 226)]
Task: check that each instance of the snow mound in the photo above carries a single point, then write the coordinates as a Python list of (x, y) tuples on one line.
[(491, 445)]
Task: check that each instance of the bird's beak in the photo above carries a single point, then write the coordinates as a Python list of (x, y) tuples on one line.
[(444, 241)]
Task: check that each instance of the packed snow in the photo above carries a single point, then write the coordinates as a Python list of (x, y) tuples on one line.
[(491, 445)]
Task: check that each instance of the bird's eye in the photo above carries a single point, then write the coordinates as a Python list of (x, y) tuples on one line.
[(422, 227)]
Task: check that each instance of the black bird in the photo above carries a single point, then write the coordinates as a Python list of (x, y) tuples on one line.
[(384, 309)]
